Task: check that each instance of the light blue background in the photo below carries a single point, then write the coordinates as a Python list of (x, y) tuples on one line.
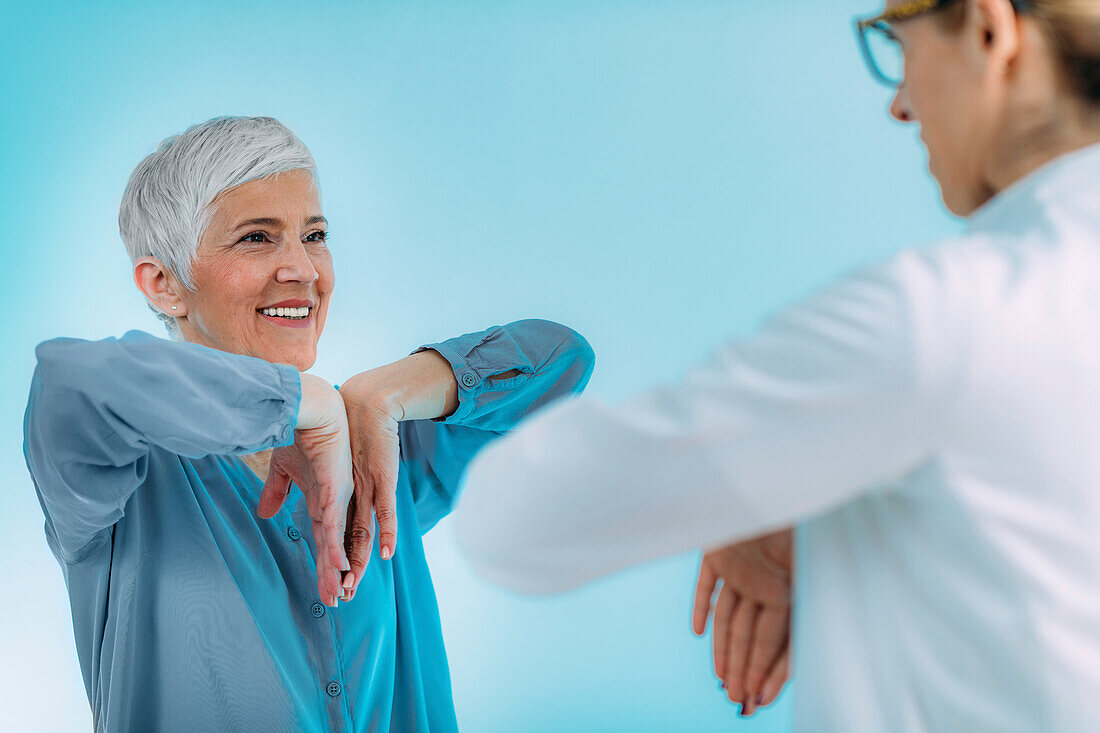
[(658, 175)]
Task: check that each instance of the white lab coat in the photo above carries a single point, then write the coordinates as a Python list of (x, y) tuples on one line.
[(931, 424)]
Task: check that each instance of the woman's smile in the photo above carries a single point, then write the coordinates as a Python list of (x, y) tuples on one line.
[(288, 313)]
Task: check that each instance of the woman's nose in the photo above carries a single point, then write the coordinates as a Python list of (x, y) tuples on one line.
[(296, 265), (899, 106)]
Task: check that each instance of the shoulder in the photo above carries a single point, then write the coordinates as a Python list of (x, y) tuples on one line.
[(63, 345)]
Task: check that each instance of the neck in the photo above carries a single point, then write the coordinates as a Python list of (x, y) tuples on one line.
[(1068, 128)]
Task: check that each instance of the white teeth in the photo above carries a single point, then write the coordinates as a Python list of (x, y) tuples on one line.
[(286, 312)]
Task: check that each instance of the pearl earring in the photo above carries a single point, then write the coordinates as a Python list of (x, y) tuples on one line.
[(173, 307)]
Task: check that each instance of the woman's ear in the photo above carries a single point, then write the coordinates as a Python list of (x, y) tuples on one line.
[(993, 24), (160, 288)]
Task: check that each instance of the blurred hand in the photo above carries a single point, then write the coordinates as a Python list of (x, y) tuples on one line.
[(373, 419), (319, 462), (751, 618)]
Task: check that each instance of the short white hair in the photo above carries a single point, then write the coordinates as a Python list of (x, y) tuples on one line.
[(166, 206)]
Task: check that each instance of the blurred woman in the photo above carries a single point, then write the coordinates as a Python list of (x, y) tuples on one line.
[(929, 424)]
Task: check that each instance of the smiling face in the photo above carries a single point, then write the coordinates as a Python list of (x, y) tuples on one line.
[(262, 274)]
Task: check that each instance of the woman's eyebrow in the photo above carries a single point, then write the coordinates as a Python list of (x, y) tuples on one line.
[(269, 221)]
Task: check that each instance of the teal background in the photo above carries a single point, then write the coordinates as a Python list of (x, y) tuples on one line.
[(657, 175)]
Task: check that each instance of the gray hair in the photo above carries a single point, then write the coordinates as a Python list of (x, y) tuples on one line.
[(166, 206)]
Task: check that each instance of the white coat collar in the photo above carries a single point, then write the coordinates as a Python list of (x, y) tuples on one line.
[(1060, 179)]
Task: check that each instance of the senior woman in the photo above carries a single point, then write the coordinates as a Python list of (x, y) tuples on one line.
[(152, 459), (930, 425)]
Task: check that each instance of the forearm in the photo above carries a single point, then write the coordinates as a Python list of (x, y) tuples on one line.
[(419, 387), (506, 373), (139, 391), (96, 408)]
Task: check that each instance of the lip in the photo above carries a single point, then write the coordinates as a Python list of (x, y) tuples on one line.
[(285, 323)]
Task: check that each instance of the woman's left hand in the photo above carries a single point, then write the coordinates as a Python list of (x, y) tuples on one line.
[(373, 419)]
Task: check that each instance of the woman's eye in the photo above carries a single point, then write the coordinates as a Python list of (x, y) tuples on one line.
[(251, 237), (318, 236)]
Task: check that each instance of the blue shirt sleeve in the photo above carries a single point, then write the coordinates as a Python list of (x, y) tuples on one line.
[(97, 407), (552, 361)]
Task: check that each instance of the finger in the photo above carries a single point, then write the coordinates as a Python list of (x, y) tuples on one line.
[(333, 528), (358, 541), (704, 593), (361, 534), (385, 509), (276, 488), (335, 520), (740, 639), (769, 636), (777, 677), (327, 588), (723, 610)]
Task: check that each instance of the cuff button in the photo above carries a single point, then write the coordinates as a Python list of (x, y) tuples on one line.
[(469, 379)]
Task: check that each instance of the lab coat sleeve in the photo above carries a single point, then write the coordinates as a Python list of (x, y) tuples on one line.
[(551, 360), (96, 408), (829, 398)]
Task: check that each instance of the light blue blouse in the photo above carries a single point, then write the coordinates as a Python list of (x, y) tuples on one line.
[(191, 613)]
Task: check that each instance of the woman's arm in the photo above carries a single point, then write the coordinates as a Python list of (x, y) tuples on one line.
[(831, 398), (96, 408), (434, 409)]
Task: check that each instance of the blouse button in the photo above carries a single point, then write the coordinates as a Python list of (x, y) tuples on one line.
[(469, 379), (333, 689), (293, 533)]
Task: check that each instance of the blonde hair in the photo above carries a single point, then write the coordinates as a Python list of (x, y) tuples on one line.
[(1073, 26), (1073, 29)]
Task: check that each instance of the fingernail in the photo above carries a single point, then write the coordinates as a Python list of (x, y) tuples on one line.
[(760, 699), (349, 580), (346, 565), (386, 553)]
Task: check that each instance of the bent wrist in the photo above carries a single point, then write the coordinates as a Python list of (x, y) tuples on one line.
[(316, 404)]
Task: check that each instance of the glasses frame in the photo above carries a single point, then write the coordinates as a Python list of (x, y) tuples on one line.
[(904, 11)]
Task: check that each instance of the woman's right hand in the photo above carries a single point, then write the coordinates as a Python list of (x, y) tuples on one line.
[(752, 616), (319, 462)]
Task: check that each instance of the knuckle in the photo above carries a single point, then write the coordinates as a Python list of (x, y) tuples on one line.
[(381, 478)]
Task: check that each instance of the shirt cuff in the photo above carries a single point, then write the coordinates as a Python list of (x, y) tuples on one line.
[(470, 380), (290, 383)]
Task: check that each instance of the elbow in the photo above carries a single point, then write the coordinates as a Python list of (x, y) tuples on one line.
[(571, 354), (505, 535), (584, 360), (500, 561), (66, 364)]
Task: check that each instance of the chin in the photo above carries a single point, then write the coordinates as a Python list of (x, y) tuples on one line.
[(301, 358), (301, 362), (956, 201)]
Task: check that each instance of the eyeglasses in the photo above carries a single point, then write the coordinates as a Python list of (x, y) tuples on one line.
[(880, 45)]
